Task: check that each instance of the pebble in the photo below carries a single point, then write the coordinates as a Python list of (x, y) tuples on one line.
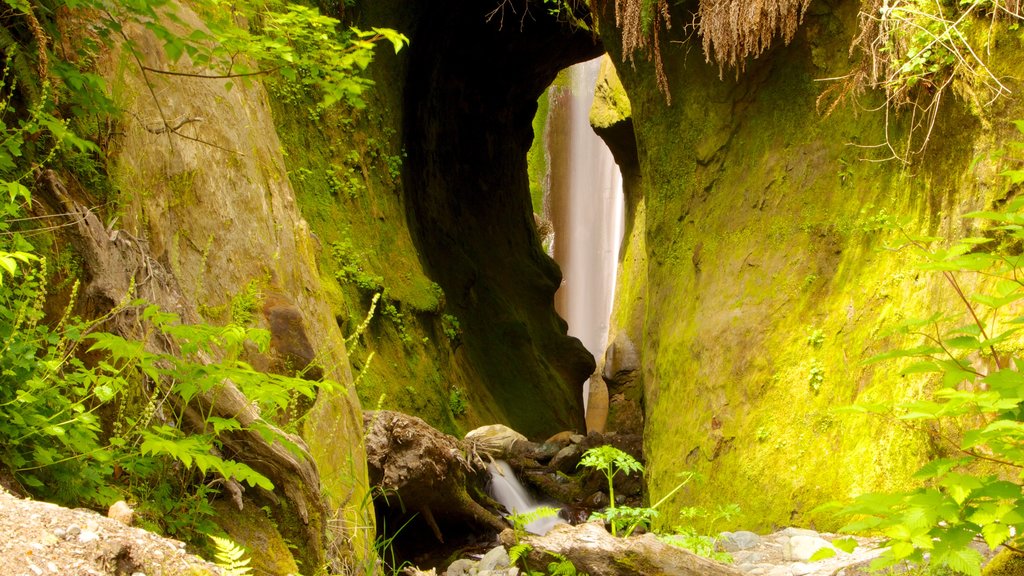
[(86, 536)]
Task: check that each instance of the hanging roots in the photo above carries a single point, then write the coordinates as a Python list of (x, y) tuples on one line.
[(640, 22), (732, 30)]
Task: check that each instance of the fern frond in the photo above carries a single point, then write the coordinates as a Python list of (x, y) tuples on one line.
[(518, 551), (230, 557)]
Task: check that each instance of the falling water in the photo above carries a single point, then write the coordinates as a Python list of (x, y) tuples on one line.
[(510, 493), (585, 205)]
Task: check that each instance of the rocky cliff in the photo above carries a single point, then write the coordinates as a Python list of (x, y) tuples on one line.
[(759, 271)]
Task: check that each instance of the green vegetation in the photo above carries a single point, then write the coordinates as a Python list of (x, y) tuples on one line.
[(367, 249), (687, 537), (457, 402), (230, 557), (89, 416), (973, 487), (609, 460), (519, 552)]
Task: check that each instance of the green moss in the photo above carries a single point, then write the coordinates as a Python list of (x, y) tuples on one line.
[(253, 529), (611, 105), (345, 166), (537, 157), (760, 223), (1006, 563)]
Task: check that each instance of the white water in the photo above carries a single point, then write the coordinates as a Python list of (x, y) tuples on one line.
[(586, 205), (510, 493)]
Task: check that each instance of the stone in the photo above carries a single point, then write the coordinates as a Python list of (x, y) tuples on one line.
[(461, 567), (800, 548), (495, 440), (747, 557), (621, 363), (567, 459), (121, 512), (790, 532), (736, 541), (86, 536), (801, 568), (496, 559)]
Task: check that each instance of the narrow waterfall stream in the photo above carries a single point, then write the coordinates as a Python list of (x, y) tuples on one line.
[(510, 493), (585, 207)]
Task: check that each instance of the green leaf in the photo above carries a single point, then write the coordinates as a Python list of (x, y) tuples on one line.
[(959, 486), (847, 545), (939, 467), (822, 554), (995, 534), (964, 560)]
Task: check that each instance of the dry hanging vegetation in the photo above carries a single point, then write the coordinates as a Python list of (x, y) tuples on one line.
[(640, 22), (915, 50), (733, 30), (730, 30)]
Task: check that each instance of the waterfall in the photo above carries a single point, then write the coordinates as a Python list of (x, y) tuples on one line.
[(585, 205), (510, 493)]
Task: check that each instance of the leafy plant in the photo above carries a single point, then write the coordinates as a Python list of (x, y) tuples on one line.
[(976, 414), (609, 460), (686, 536), (457, 402), (519, 551)]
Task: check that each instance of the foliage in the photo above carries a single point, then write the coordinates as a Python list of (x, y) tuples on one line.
[(976, 412), (457, 402), (246, 304), (519, 551), (451, 327), (914, 50), (520, 520), (230, 557), (687, 537), (609, 460)]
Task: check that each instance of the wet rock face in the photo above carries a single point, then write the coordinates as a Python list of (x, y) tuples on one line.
[(621, 372), (471, 95)]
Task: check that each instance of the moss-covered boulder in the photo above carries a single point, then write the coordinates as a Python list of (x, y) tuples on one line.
[(1006, 563)]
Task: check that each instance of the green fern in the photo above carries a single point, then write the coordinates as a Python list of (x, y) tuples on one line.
[(562, 566), (518, 551), (520, 520), (230, 557)]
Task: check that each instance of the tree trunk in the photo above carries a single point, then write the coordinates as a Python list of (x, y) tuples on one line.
[(593, 550)]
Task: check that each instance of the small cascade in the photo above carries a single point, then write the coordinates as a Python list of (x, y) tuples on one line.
[(585, 202), (510, 493)]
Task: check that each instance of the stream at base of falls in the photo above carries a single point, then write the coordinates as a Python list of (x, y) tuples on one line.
[(508, 491)]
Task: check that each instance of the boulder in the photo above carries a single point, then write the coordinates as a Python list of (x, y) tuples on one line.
[(567, 459), (736, 541), (802, 547)]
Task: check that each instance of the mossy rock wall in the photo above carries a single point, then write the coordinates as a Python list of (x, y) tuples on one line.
[(422, 196), (217, 209), (759, 274)]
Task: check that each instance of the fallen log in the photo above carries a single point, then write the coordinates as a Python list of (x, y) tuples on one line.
[(594, 551), (416, 467)]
